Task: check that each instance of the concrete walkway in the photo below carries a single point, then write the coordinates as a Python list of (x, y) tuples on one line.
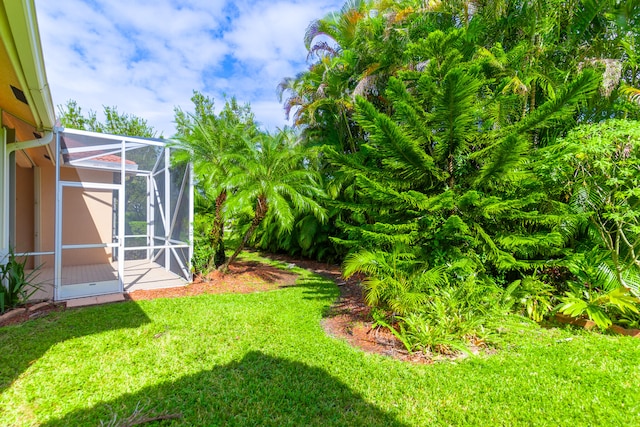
[(100, 299)]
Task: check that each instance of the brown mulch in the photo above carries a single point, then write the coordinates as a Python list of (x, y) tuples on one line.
[(27, 313), (348, 318), (242, 278)]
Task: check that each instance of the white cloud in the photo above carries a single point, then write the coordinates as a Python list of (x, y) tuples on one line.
[(275, 30), (270, 115), (147, 56)]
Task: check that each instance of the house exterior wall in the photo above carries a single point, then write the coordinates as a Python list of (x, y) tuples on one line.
[(21, 67), (87, 216), (47, 214), (24, 206)]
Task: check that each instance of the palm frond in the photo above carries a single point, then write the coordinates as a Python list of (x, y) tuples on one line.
[(632, 93), (564, 104), (454, 112), (506, 155)]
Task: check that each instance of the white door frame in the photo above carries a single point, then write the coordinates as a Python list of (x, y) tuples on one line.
[(81, 290)]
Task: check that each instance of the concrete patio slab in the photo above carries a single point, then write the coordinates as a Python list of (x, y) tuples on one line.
[(138, 275), (100, 299)]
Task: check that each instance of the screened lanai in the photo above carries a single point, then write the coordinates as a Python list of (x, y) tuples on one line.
[(123, 215)]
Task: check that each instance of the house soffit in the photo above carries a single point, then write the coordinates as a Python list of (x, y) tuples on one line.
[(8, 100), (24, 90)]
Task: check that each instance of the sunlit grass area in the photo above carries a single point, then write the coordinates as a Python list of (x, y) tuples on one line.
[(263, 359)]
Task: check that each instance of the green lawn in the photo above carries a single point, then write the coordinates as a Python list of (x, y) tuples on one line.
[(263, 359)]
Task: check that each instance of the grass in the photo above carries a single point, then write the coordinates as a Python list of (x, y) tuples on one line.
[(263, 359)]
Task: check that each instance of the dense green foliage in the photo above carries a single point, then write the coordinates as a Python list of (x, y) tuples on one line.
[(439, 124), (212, 142), (244, 178), (596, 167), (263, 359)]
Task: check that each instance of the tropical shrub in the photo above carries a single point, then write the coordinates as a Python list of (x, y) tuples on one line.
[(204, 252), (212, 143), (394, 281), (434, 179), (272, 183), (309, 238), (599, 305), (454, 317), (597, 166), (596, 291), (426, 308), (16, 285), (531, 296)]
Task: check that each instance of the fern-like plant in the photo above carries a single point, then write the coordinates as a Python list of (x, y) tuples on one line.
[(453, 317), (393, 280)]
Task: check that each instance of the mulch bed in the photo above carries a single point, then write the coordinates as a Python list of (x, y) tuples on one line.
[(242, 278), (30, 311)]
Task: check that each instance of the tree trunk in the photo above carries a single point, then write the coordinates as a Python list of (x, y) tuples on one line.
[(532, 106), (261, 212), (217, 233), (450, 166)]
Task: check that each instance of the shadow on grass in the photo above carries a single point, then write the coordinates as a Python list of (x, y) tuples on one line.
[(23, 344), (318, 288), (259, 390), (270, 274)]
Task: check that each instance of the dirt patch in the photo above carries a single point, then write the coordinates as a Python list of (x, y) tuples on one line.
[(31, 311), (242, 278)]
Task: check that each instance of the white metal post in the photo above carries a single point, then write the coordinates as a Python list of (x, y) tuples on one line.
[(57, 268), (191, 219), (167, 208), (149, 217), (121, 216), (4, 196)]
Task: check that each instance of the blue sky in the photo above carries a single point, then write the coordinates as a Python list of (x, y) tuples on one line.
[(147, 56)]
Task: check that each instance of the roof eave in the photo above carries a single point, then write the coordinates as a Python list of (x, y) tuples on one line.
[(22, 40)]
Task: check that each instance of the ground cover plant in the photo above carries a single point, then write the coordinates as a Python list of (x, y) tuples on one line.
[(263, 359)]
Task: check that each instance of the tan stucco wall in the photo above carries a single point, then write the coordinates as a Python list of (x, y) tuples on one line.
[(87, 216), (47, 212), (24, 232)]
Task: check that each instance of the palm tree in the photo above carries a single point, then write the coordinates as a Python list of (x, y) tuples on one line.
[(275, 179), (211, 143), (355, 51)]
